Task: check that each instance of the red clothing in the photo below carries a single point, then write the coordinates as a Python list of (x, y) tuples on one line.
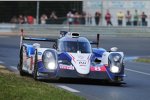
[(30, 19), (108, 17)]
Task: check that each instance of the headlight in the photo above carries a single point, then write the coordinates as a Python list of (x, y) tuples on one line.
[(51, 65), (49, 59), (114, 69), (115, 62), (116, 58), (48, 55)]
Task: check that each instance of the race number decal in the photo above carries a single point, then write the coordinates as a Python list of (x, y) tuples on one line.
[(97, 68), (102, 68)]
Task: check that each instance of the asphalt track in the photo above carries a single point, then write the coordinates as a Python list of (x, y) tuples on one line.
[(138, 74)]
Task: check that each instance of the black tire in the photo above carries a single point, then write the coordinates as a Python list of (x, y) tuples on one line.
[(20, 65), (35, 67)]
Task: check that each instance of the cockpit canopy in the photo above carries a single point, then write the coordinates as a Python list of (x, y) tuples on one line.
[(75, 44)]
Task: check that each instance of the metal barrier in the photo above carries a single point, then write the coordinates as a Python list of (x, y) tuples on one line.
[(83, 29)]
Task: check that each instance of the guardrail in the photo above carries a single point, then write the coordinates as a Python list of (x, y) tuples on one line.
[(83, 29)]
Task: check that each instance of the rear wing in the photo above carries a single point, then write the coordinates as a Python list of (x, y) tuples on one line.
[(22, 37), (97, 41), (39, 39)]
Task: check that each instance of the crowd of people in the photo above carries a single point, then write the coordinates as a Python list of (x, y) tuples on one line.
[(83, 18), (134, 19), (23, 19), (138, 19)]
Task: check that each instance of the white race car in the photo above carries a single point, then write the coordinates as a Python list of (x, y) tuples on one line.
[(71, 57)]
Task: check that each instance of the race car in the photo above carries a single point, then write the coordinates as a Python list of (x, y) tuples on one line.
[(72, 56)]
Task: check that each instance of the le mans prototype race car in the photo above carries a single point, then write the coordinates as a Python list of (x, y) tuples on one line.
[(71, 57)]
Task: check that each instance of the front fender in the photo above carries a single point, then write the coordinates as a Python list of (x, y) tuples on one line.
[(105, 56)]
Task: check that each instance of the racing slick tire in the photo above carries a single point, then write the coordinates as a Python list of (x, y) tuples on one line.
[(35, 76), (20, 65)]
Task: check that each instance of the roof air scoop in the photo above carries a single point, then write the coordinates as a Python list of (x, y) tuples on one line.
[(70, 34), (75, 35)]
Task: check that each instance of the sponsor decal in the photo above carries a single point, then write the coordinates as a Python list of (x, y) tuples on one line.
[(66, 67), (39, 53), (81, 57), (102, 68), (82, 62)]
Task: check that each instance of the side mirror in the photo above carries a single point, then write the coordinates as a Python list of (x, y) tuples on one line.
[(36, 45), (113, 49)]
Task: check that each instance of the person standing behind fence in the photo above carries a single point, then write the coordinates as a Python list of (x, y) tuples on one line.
[(97, 17), (108, 18), (21, 19), (53, 17), (89, 19), (14, 20), (43, 19), (128, 17), (83, 18), (136, 18), (77, 18), (143, 19), (30, 19), (70, 17), (120, 16)]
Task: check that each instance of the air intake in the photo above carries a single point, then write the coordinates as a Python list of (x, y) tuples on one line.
[(75, 35)]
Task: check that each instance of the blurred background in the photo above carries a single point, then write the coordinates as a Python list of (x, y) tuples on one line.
[(86, 12), (107, 17)]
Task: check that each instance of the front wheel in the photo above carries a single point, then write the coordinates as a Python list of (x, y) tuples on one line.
[(21, 63)]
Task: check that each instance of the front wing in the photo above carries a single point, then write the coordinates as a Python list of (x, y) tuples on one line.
[(65, 71)]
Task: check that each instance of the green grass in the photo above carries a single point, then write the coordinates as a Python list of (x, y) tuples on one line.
[(144, 60), (14, 87)]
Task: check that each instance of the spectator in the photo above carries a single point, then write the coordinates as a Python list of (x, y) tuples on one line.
[(89, 18), (83, 16), (70, 17), (53, 17), (43, 19), (136, 18), (21, 19), (108, 18), (128, 18), (97, 17), (30, 19), (143, 19), (25, 19), (76, 18), (14, 20), (120, 16)]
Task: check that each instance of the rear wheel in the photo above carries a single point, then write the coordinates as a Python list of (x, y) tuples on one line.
[(21, 63)]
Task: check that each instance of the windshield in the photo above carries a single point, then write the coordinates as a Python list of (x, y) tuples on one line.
[(74, 46)]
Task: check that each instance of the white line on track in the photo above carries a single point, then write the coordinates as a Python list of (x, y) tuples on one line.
[(13, 67), (1, 62), (68, 88), (137, 71)]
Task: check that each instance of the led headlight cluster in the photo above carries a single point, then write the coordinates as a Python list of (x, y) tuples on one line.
[(115, 62), (49, 60), (116, 58), (114, 69)]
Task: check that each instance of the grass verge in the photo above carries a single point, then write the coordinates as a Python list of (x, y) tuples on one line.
[(14, 87), (144, 60)]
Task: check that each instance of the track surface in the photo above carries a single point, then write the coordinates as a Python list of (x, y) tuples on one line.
[(138, 74)]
